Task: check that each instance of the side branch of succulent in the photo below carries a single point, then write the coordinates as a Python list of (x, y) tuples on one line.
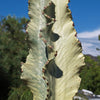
[(55, 56)]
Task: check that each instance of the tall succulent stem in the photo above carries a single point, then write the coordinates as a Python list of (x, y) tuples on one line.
[(51, 68)]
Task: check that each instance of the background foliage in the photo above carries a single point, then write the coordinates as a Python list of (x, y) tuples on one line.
[(13, 50), (14, 47), (90, 74)]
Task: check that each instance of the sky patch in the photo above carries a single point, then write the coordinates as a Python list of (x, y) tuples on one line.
[(90, 42)]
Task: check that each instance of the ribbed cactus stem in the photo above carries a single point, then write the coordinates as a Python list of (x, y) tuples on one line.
[(51, 68)]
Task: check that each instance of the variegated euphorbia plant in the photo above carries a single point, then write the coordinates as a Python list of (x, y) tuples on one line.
[(55, 57)]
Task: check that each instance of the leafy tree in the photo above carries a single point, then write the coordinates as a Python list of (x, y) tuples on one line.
[(90, 75), (13, 50), (99, 40), (99, 37), (21, 93)]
